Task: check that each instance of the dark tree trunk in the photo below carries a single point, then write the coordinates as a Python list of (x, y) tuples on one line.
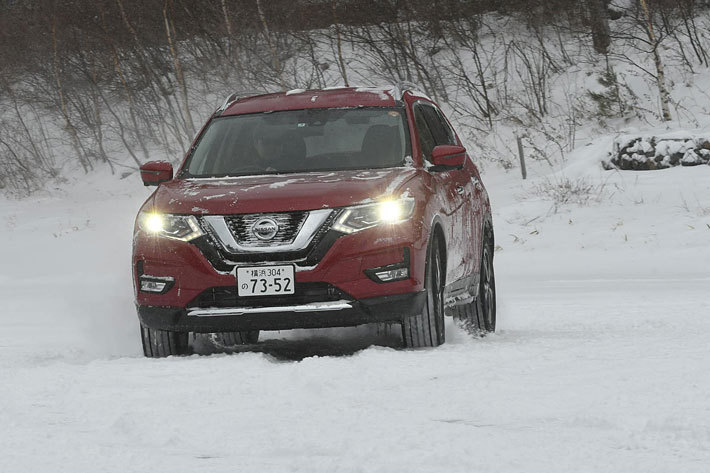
[(599, 21)]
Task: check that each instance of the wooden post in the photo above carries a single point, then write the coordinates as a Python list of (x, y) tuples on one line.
[(523, 170)]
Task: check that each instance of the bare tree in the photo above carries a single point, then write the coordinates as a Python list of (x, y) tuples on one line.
[(170, 33), (272, 48), (658, 61), (63, 107), (339, 43)]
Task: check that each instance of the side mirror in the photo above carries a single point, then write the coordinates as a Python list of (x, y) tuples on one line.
[(155, 172), (448, 156)]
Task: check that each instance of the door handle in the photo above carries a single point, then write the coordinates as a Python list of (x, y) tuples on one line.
[(460, 190)]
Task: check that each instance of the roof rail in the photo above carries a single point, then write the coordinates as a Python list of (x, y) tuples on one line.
[(403, 86), (236, 96)]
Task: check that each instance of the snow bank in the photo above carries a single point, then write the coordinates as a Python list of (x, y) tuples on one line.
[(659, 152)]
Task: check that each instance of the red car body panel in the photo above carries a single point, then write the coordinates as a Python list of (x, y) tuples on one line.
[(268, 193), (452, 200), (333, 98), (342, 266)]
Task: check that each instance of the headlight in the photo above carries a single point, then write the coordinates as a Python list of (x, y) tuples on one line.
[(176, 227), (362, 217)]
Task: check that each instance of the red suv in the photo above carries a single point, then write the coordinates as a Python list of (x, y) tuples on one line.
[(318, 208)]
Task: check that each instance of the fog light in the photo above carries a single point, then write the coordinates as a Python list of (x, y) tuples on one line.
[(152, 286), (393, 274), (156, 284)]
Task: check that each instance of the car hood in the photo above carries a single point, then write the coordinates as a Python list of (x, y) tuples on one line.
[(278, 193)]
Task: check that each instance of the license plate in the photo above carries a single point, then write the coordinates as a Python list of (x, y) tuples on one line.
[(265, 280)]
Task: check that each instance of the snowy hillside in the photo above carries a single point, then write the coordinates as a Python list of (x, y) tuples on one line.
[(599, 364)]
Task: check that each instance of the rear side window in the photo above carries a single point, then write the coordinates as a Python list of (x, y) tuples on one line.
[(443, 134), (426, 138)]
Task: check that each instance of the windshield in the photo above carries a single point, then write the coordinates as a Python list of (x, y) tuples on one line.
[(300, 141)]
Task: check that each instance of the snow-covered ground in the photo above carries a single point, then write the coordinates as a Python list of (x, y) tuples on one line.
[(600, 362)]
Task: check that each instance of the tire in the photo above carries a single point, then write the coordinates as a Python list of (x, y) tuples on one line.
[(479, 316), (162, 343), (233, 339), (427, 328)]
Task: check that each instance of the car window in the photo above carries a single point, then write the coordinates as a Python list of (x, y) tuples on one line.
[(450, 134), (426, 138), (301, 141), (440, 129)]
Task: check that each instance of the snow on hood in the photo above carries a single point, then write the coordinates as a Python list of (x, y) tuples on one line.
[(285, 192)]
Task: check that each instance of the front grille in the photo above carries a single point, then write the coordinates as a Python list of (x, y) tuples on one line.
[(224, 261), (306, 293), (289, 224)]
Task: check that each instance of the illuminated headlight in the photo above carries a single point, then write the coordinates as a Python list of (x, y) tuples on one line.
[(176, 227), (362, 217)]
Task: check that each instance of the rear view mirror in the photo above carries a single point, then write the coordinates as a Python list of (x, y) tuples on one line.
[(447, 156), (155, 172)]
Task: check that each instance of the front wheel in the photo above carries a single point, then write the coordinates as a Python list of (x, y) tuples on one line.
[(162, 343), (480, 315), (427, 328)]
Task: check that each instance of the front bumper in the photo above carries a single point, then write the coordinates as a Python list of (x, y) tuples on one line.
[(345, 266), (345, 313)]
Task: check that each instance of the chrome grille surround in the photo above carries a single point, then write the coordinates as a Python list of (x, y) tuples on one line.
[(231, 231), (289, 224)]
